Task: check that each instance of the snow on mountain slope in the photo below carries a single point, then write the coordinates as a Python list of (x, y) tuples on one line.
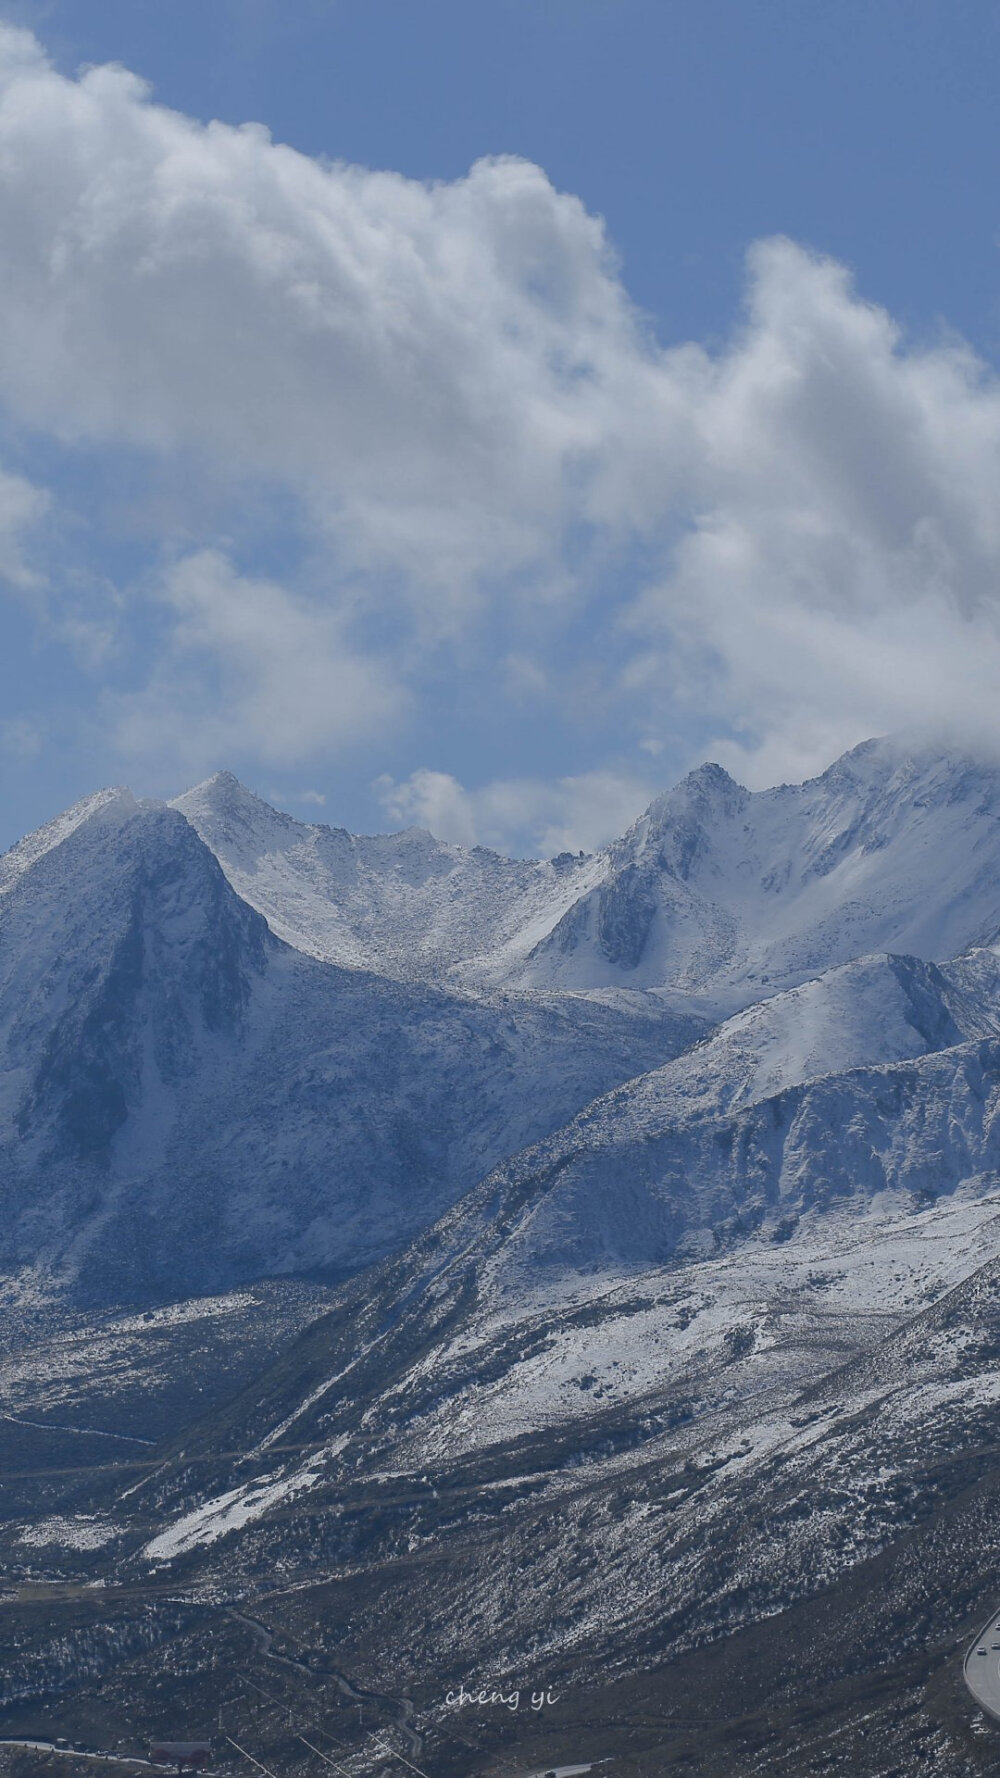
[(186, 1102), (817, 1166), (416, 1371), (716, 892), (839, 1281), (719, 890), (404, 904), (637, 1178), (193, 1091), (670, 1368), (874, 1010), (123, 955), (28, 851), (880, 1077), (592, 1488)]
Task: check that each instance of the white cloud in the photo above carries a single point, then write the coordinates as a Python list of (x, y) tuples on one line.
[(518, 814), (841, 572), (438, 369), (22, 507), (21, 739), (478, 439), (251, 666)]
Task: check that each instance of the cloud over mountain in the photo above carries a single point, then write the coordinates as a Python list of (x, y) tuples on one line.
[(434, 408)]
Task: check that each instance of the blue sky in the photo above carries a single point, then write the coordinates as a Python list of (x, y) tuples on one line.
[(420, 491)]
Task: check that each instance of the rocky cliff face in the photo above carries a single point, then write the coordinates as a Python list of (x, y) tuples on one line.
[(674, 1379), (714, 891), (125, 956), (189, 1096), (730, 895), (187, 1101)]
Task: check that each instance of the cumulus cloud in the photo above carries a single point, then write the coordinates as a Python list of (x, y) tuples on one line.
[(437, 369), (518, 814), (22, 506), (840, 571), (765, 552), (250, 666)]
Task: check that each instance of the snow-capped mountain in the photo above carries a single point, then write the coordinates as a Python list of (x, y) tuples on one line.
[(676, 1164), (231, 1044), (403, 904), (716, 891), (674, 1381), (185, 1100), (124, 957), (731, 893)]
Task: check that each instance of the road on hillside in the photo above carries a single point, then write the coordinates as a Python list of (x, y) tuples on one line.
[(70, 1752), (402, 1708), (982, 1668)]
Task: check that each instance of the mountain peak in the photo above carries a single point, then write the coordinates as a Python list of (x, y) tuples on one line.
[(708, 783), (710, 775), (221, 787), (681, 812), (222, 805), (224, 780), (116, 804), (879, 760)]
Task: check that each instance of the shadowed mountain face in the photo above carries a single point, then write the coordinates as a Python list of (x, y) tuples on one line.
[(733, 894), (738, 1136), (125, 958), (718, 892), (672, 1384), (187, 1101), (192, 1093)]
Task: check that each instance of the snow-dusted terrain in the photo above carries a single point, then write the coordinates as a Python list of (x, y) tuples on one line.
[(680, 1168), (720, 892), (403, 904), (232, 1044), (295, 1061), (185, 1100), (716, 888)]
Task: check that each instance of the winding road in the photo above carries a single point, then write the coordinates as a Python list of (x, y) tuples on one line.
[(400, 1708), (69, 1752), (982, 1668)]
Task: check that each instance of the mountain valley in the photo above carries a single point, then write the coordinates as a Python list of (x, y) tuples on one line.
[(426, 1273)]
